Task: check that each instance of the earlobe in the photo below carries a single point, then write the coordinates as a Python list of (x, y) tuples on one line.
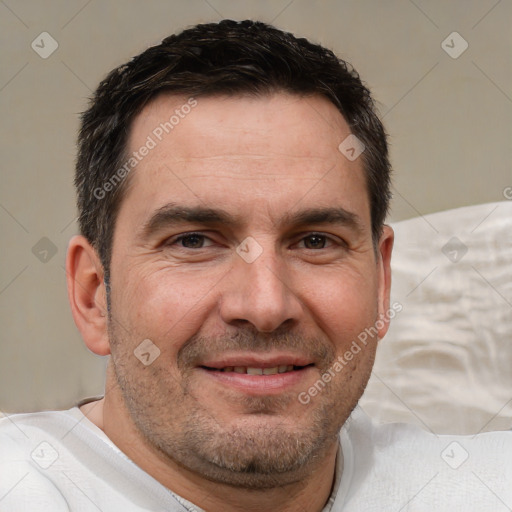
[(384, 278), (87, 294)]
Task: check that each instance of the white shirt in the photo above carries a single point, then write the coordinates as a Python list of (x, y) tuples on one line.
[(60, 461)]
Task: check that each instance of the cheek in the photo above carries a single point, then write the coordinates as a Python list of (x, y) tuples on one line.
[(164, 303), (343, 303)]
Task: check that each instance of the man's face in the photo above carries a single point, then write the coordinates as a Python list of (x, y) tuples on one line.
[(243, 246)]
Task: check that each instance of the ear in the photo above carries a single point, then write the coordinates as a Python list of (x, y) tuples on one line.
[(87, 294), (385, 249)]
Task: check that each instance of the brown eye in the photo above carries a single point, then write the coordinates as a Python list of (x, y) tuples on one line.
[(315, 242), (192, 241)]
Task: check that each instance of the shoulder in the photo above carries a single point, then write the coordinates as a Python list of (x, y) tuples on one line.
[(59, 461), (402, 437), (26, 452), (394, 464), (20, 434)]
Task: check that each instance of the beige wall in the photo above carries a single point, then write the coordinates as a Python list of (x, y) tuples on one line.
[(450, 122)]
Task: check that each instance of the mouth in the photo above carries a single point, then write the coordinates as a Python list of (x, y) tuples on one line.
[(253, 370), (259, 375)]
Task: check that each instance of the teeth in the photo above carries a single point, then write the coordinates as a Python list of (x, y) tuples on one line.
[(258, 371), (254, 371)]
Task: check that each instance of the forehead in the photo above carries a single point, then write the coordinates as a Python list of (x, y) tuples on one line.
[(278, 148), (308, 125)]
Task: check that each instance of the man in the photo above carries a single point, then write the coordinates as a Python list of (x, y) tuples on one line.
[(233, 184)]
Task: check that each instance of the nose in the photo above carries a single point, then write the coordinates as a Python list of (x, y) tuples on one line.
[(260, 293)]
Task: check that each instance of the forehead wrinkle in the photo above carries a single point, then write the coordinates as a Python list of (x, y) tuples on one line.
[(296, 168)]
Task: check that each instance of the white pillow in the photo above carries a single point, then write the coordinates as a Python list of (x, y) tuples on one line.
[(446, 362)]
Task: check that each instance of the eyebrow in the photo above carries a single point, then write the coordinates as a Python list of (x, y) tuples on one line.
[(327, 215), (173, 214)]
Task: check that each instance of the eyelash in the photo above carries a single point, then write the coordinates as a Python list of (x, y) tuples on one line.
[(176, 240), (179, 238)]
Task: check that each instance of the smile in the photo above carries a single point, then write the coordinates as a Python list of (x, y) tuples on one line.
[(257, 371), (258, 374)]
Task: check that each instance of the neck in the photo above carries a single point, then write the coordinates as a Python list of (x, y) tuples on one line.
[(310, 491)]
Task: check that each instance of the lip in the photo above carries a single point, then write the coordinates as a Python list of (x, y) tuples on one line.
[(258, 385), (254, 360)]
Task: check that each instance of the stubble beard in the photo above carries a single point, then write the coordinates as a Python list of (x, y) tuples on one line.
[(254, 455)]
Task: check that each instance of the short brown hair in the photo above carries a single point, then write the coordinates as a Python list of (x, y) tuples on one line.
[(225, 58)]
